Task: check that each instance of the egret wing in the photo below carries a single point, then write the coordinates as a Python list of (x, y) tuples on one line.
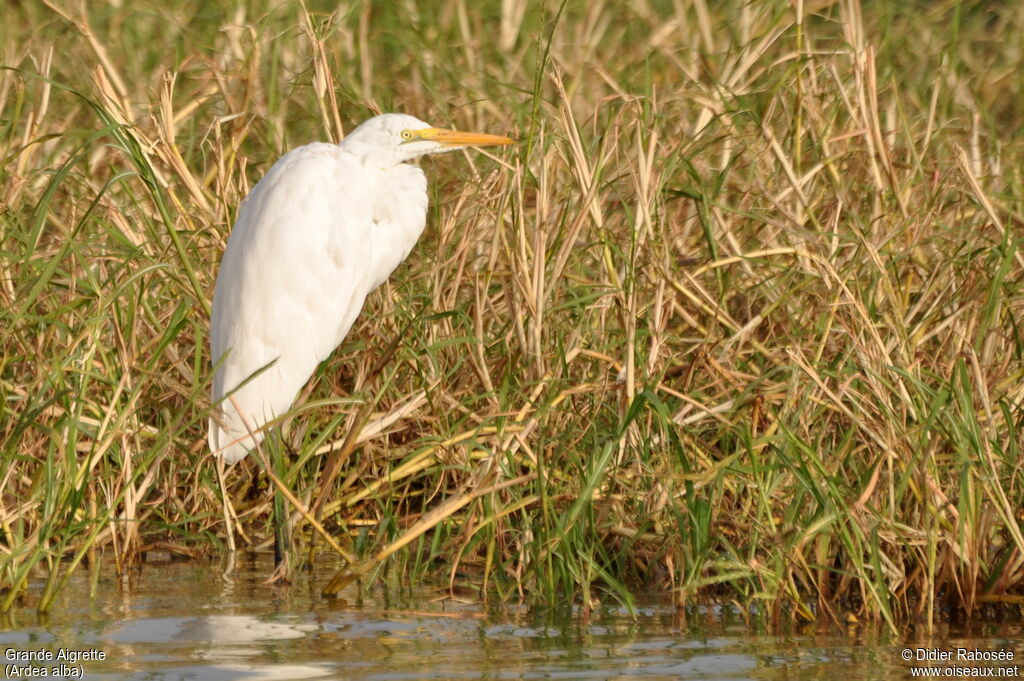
[(292, 281)]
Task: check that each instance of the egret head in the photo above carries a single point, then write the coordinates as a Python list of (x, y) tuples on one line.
[(390, 139)]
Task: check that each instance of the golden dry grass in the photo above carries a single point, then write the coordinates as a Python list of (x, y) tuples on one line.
[(739, 318)]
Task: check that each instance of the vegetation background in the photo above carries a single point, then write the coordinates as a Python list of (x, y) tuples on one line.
[(739, 318)]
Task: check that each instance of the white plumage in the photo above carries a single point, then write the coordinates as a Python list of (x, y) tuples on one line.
[(325, 226)]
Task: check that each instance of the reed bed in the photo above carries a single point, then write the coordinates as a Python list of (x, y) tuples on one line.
[(737, 320)]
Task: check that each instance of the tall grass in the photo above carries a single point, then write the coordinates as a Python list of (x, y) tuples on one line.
[(738, 319)]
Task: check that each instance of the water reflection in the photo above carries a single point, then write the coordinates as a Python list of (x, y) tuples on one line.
[(219, 629), (185, 621)]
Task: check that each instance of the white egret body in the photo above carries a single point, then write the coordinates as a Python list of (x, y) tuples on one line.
[(325, 226)]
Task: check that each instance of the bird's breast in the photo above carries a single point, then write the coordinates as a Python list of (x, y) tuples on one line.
[(399, 215)]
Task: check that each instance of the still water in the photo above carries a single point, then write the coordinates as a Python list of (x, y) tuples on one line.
[(188, 620)]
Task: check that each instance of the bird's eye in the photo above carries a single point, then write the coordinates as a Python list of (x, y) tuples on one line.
[(407, 135)]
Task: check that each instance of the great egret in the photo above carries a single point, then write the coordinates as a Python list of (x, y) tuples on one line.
[(324, 227)]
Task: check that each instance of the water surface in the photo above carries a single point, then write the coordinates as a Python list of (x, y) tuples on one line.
[(188, 620)]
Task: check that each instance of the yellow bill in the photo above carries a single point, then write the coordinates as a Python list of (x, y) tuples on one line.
[(457, 138)]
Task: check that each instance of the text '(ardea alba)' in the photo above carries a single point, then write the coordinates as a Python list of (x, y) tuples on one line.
[(325, 226)]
